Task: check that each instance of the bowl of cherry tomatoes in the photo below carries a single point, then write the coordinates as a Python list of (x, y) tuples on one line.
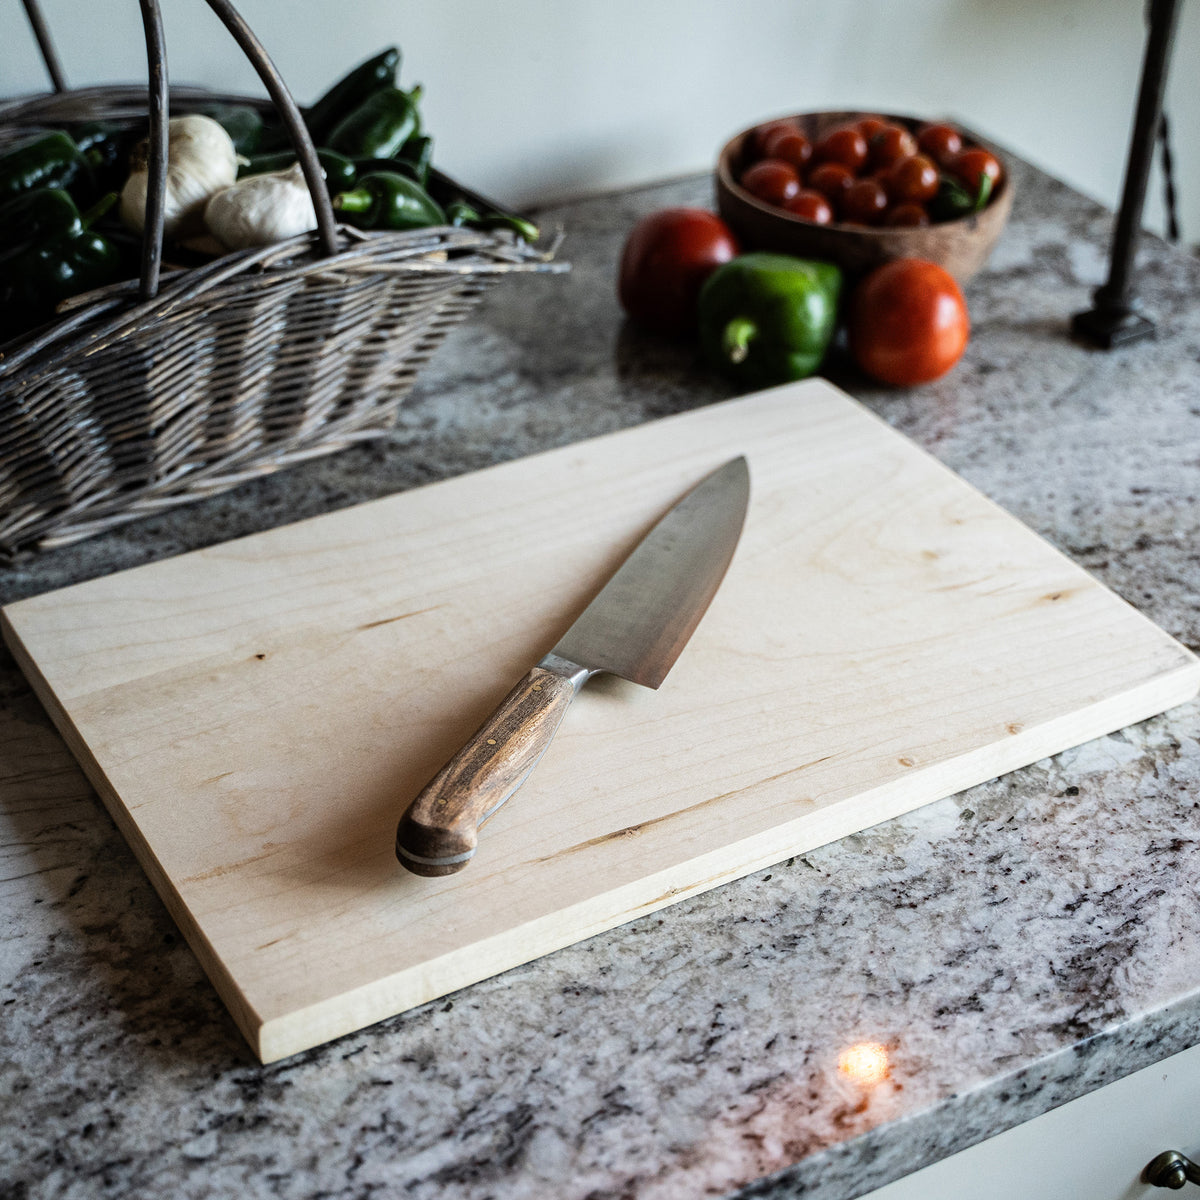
[(861, 189)]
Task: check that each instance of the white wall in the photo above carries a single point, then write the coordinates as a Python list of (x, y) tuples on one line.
[(534, 100)]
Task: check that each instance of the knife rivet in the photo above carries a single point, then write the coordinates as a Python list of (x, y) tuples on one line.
[(491, 741), (537, 687)]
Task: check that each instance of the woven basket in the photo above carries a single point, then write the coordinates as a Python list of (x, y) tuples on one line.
[(183, 383)]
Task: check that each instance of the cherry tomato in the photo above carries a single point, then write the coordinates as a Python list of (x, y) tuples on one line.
[(771, 180), (911, 180), (907, 215), (831, 180), (843, 145), (870, 126), (890, 145), (667, 257), (908, 322), (940, 142), (789, 145), (810, 206), (864, 201), (972, 165), (758, 139)]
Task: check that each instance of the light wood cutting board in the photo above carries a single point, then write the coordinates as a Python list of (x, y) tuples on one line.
[(256, 715)]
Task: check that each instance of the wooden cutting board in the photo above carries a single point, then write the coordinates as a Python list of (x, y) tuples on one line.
[(256, 715)]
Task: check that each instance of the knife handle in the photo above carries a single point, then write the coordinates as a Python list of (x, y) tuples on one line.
[(438, 833)]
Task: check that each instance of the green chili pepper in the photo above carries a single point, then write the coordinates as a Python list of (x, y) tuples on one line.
[(340, 172), (243, 124), (42, 276), (379, 127), (769, 318), (389, 201), (350, 91), (45, 160), (459, 212), (416, 155), (105, 149)]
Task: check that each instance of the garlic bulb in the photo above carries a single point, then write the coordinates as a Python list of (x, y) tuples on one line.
[(201, 161), (262, 209)]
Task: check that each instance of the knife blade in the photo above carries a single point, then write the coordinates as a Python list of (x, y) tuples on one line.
[(635, 627)]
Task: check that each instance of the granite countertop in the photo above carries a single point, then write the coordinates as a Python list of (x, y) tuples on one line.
[(1001, 951)]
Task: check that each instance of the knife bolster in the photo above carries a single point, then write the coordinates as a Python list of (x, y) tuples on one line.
[(439, 832)]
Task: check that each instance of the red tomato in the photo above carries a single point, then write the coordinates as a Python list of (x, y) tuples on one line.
[(865, 201), (771, 180), (810, 206), (667, 257), (758, 139), (890, 145), (870, 126), (844, 145), (908, 322), (911, 180), (940, 142), (972, 165), (831, 180), (907, 215), (789, 145)]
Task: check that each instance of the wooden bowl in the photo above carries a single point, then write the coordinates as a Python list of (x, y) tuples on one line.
[(961, 246)]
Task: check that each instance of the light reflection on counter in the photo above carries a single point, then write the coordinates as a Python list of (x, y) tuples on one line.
[(865, 1063)]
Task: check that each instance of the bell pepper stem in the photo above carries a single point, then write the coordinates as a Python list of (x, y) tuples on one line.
[(738, 335)]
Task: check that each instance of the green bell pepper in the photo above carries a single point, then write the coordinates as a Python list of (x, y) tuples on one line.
[(378, 127), (44, 160), (389, 201), (769, 318), (37, 216), (350, 91)]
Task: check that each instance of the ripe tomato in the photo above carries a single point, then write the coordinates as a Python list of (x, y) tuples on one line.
[(772, 180), (758, 139), (667, 257), (972, 165), (909, 215), (908, 322), (865, 201), (912, 180), (844, 145), (831, 180), (870, 126), (940, 142), (890, 145), (789, 145), (810, 206)]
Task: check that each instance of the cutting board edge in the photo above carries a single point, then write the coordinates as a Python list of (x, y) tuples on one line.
[(326, 1020), (244, 1016)]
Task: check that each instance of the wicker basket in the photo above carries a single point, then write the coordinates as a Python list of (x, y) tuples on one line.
[(183, 383)]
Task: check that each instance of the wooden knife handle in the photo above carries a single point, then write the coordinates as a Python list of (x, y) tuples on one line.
[(438, 833)]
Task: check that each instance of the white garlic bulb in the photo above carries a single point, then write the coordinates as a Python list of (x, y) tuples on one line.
[(262, 209), (201, 161)]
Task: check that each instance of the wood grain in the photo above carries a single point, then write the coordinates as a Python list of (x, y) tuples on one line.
[(255, 715)]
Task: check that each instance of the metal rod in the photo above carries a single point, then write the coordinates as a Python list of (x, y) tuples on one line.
[(301, 139), (45, 45), (1115, 318), (156, 184)]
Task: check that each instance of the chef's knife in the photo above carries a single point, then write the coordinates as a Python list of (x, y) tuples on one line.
[(635, 627)]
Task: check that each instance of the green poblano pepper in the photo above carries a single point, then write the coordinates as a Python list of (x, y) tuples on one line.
[(44, 160), (768, 318), (350, 91)]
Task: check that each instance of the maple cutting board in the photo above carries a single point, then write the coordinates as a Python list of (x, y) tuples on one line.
[(257, 715)]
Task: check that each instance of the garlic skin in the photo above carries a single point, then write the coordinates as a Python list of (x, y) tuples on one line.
[(201, 161), (261, 210)]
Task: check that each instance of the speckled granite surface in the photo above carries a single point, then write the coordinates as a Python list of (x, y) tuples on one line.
[(1007, 949)]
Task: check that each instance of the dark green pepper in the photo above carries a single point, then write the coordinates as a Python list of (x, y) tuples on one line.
[(380, 126), (389, 201), (350, 91), (769, 318), (459, 212), (953, 200), (45, 160), (105, 148), (37, 216), (340, 172), (243, 124), (416, 156)]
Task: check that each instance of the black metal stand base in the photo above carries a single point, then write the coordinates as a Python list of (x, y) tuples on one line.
[(1108, 329)]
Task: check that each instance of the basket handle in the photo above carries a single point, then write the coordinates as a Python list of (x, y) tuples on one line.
[(306, 153), (49, 55)]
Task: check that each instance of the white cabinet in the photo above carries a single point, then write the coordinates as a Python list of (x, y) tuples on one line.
[(1093, 1148)]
